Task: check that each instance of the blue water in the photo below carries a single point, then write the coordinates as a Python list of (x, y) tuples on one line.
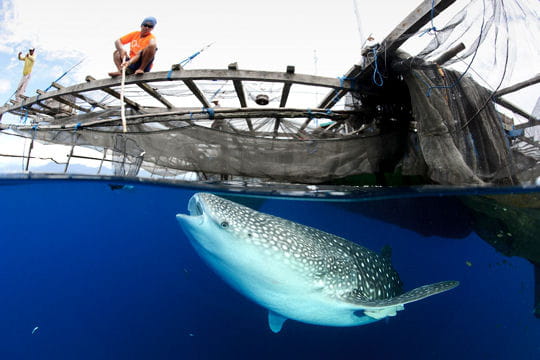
[(109, 274)]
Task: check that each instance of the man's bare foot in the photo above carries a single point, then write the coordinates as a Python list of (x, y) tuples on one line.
[(139, 72), (114, 74)]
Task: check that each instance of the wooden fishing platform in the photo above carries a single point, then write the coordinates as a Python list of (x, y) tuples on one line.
[(160, 94)]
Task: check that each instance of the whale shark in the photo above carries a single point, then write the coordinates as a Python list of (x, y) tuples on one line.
[(295, 271)]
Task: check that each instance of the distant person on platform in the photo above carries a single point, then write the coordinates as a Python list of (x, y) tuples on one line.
[(142, 49), (29, 60)]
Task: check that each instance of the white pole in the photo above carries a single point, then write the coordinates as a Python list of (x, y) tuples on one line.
[(122, 105), (359, 23)]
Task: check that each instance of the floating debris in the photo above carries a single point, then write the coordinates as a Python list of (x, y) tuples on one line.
[(120, 187), (35, 330)]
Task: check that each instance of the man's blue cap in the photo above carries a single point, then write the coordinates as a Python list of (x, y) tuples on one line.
[(150, 20)]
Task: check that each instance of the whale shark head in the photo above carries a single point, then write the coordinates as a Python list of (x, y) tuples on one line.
[(220, 228), (296, 271)]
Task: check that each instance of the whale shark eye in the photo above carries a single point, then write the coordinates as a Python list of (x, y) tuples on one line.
[(224, 224)]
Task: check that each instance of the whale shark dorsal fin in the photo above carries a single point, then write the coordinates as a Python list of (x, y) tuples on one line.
[(275, 321), (414, 295)]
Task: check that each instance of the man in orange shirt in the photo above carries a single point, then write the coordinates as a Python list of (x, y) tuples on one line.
[(142, 48)]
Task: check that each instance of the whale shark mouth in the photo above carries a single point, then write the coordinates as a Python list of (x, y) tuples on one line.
[(196, 212), (195, 206)]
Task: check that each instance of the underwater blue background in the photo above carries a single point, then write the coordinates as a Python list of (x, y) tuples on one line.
[(105, 272)]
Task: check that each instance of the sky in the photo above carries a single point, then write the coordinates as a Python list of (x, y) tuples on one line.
[(318, 37)]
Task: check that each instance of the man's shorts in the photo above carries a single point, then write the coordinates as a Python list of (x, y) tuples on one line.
[(133, 67)]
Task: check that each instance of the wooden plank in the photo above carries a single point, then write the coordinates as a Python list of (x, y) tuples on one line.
[(198, 94), (286, 88), (285, 94), (82, 97), (35, 111), (443, 58), (111, 92), (238, 87), (335, 95), (418, 18), (49, 110), (515, 109), (197, 74), (276, 127), (189, 115), (71, 104), (65, 102), (518, 86), (153, 92)]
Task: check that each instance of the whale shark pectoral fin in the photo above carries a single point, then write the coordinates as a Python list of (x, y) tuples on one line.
[(275, 321), (414, 295), (381, 313)]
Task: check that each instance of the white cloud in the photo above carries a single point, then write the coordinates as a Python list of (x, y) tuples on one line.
[(5, 86)]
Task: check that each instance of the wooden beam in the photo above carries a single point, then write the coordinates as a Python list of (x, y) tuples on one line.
[(418, 18), (276, 127), (517, 110), (200, 74), (335, 95), (66, 102), (198, 94), (71, 104), (49, 110), (518, 86), (111, 92), (238, 87), (153, 92), (220, 113), (449, 54), (80, 96), (286, 88)]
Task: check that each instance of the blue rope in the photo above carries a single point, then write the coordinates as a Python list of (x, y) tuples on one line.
[(77, 126), (341, 81), (64, 74), (183, 63), (25, 114), (432, 28), (61, 76), (209, 111), (377, 77)]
